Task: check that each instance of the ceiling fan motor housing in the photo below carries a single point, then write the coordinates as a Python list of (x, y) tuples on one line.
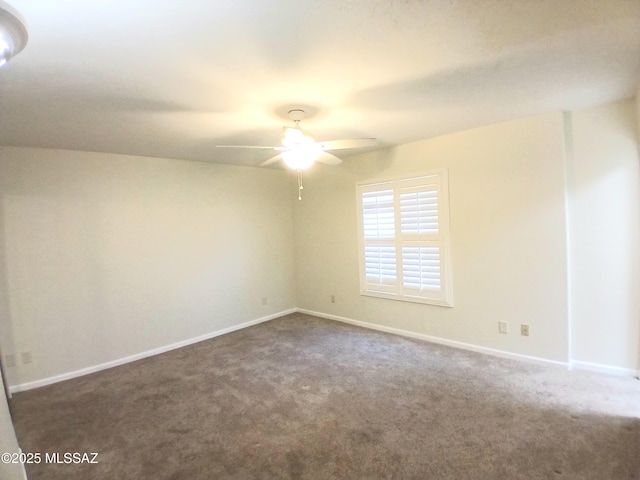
[(296, 114)]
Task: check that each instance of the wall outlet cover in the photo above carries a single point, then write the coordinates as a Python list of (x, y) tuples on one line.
[(10, 360)]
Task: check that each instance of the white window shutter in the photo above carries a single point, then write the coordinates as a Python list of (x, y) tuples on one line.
[(381, 268), (421, 269), (419, 210), (378, 214), (404, 242)]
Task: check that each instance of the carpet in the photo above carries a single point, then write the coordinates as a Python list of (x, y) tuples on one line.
[(306, 398)]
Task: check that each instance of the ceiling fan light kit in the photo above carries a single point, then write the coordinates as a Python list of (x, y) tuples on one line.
[(299, 159), (13, 33)]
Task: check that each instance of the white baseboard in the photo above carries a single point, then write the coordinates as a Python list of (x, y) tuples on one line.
[(139, 356), (608, 369), (438, 340)]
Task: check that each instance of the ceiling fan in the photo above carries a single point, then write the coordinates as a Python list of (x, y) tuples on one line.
[(299, 151)]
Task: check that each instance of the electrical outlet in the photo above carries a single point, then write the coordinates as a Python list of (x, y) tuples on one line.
[(264, 300), (524, 330), (26, 357), (333, 299), (503, 327), (10, 360)]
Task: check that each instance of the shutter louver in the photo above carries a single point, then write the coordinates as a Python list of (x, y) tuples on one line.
[(380, 267), (419, 210), (421, 269), (378, 214)]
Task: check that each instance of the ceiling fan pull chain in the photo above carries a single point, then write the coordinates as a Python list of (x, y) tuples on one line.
[(300, 186)]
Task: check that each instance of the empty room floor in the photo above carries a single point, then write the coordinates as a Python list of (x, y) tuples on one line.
[(307, 398)]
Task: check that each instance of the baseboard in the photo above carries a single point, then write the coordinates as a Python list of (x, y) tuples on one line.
[(608, 369), (593, 367), (139, 356), (438, 340)]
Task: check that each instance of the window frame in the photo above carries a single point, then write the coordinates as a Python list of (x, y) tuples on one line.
[(397, 289)]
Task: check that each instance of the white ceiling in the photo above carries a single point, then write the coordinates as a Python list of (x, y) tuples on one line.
[(174, 79)]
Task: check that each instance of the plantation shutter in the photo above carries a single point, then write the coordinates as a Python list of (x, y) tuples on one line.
[(404, 239), (419, 228), (379, 230)]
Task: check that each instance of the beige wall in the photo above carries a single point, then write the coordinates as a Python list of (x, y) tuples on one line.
[(507, 199), (107, 256), (8, 442), (605, 236)]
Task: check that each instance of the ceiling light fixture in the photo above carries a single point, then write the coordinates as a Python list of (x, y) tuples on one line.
[(300, 158), (302, 150), (13, 32)]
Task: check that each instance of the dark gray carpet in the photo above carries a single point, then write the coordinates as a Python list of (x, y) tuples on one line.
[(302, 397)]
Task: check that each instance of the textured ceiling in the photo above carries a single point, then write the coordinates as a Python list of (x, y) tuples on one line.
[(174, 79)]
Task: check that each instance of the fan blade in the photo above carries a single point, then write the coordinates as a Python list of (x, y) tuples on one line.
[(272, 160), (347, 143), (250, 146), (328, 159)]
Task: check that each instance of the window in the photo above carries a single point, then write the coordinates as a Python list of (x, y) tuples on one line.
[(404, 238)]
